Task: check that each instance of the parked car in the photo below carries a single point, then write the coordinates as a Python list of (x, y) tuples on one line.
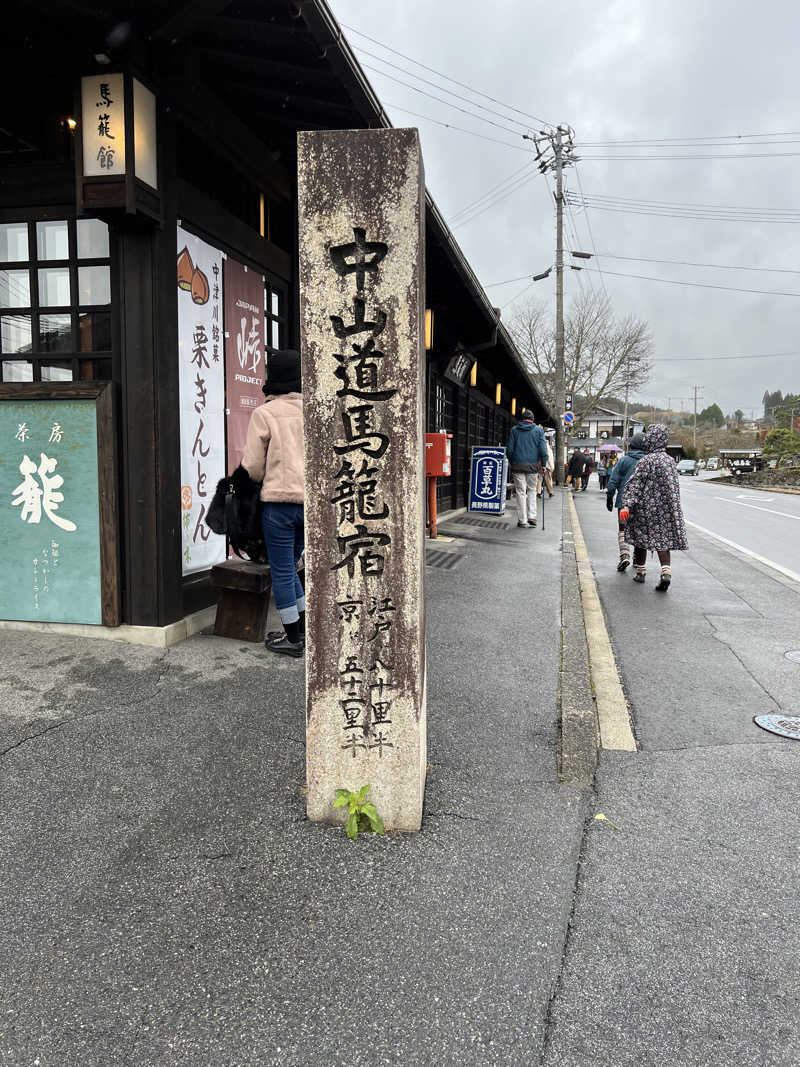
[(713, 464), (688, 466)]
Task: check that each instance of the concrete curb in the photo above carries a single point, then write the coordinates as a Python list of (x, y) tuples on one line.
[(613, 719), (578, 733)]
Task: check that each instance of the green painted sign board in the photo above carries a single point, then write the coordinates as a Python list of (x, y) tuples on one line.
[(50, 511)]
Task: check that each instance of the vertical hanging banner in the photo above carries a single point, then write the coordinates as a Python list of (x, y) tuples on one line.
[(362, 284), (202, 397), (244, 352)]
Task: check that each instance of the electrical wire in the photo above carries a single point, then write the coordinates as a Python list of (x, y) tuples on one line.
[(708, 137), (706, 359), (460, 129), (440, 74), (737, 155), (695, 217), (687, 204), (474, 203), (440, 99), (473, 103), (519, 294), (690, 263), (495, 201), (591, 235), (696, 285)]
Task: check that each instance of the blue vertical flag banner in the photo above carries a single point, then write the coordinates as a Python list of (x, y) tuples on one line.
[(50, 511), (488, 480)]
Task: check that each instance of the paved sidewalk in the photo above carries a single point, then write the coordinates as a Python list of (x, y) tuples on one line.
[(166, 902), (684, 942)]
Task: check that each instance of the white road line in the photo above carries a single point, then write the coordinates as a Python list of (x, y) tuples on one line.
[(746, 551), (756, 507)]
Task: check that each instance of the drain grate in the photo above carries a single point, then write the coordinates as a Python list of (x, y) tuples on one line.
[(491, 524), (445, 561)]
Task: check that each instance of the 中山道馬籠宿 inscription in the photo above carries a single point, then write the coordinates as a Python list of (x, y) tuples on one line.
[(362, 309)]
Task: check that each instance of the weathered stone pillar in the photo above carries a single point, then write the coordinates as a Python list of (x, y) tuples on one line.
[(362, 285)]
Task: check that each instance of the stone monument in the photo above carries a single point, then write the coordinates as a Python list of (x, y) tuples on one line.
[(362, 286)]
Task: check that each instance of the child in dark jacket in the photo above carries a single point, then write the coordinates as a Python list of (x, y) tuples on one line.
[(616, 486)]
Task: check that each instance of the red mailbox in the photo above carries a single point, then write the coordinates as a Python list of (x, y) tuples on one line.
[(437, 455)]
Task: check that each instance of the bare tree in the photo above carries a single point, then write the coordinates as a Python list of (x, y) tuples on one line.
[(602, 354)]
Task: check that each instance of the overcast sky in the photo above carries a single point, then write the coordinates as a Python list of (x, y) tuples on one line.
[(622, 69)]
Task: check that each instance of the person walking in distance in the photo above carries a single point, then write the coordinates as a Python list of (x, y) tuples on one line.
[(588, 467), (527, 452), (575, 469), (546, 476), (617, 481), (651, 507), (274, 452)]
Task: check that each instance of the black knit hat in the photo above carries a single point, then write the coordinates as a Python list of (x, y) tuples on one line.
[(283, 373)]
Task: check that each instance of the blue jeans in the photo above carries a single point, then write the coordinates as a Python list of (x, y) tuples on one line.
[(284, 535)]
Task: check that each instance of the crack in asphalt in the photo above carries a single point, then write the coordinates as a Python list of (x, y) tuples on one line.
[(79, 700), (558, 982), (732, 650)]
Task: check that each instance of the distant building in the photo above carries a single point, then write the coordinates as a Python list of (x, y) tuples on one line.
[(601, 426)]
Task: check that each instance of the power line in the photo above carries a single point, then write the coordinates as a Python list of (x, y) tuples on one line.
[(508, 281), (591, 235), (440, 74), (688, 204), (697, 144), (708, 137), (474, 203), (460, 129), (706, 359), (440, 99), (696, 285), (737, 155), (496, 200), (458, 96), (689, 263), (519, 294), (697, 216)]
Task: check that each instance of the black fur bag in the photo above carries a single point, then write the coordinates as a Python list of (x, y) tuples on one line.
[(235, 512)]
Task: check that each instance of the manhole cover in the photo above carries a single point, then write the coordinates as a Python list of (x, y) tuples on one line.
[(794, 655), (785, 725)]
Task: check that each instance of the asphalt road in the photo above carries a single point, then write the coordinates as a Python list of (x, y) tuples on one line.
[(761, 522)]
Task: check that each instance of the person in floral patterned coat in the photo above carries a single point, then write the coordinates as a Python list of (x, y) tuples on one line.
[(652, 498)]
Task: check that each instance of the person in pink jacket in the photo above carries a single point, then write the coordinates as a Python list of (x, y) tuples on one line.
[(273, 455)]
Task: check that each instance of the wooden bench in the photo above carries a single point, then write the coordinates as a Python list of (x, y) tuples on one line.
[(244, 591)]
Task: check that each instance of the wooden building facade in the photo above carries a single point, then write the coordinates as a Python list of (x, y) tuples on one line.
[(215, 94)]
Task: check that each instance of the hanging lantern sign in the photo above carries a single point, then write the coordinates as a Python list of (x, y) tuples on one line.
[(103, 125), (118, 145)]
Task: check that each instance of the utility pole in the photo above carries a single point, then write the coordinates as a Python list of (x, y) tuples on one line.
[(694, 430), (560, 383), (555, 157)]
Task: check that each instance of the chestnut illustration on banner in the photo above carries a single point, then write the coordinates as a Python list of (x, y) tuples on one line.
[(185, 270), (200, 290)]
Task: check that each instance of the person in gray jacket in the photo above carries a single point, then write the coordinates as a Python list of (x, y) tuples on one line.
[(527, 452), (616, 486)]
